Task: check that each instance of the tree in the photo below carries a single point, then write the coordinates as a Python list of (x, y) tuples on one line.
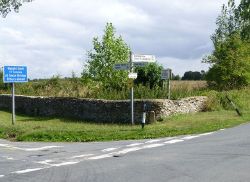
[(230, 60), (243, 16), (190, 75), (7, 5), (176, 77), (230, 64), (106, 53), (149, 75)]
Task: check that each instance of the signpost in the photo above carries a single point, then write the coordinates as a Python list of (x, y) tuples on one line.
[(14, 74), (121, 66), (143, 58), (135, 60), (166, 74)]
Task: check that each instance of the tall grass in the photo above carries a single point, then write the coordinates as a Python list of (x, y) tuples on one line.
[(75, 87)]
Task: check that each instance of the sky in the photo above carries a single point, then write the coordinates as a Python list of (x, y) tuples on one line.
[(52, 37)]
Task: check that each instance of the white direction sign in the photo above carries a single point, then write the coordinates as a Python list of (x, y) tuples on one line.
[(121, 66), (132, 75), (143, 58)]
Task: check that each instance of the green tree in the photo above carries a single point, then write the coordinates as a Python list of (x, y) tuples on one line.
[(229, 61), (243, 16), (7, 5), (149, 75), (192, 75), (106, 53), (230, 64)]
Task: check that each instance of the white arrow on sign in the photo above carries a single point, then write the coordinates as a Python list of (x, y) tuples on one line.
[(143, 58), (121, 66)]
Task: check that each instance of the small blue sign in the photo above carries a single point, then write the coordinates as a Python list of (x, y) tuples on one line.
[(15, 74)]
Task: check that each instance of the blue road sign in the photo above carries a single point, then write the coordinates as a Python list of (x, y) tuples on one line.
[(15, 74)]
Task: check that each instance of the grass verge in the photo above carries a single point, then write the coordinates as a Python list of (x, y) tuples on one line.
[(60, 130)]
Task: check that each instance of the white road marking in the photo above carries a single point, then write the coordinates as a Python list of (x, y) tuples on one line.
[(44, 162), (109, 149), (145, 145), (28, 149), (27, 171), (153, 141), (124, 151), (81, 156), (41, 148), (205, 134), (153, 145), (222, 129), (64, 164), (173, 141), (101, 156), (190, 137), (134, 144)]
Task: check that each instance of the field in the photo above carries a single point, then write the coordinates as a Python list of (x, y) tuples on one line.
[(75, 87)]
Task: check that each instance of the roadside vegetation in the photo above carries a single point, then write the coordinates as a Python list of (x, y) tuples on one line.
[(220, 115)]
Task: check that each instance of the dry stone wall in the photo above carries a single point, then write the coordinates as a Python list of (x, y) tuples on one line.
[(104, 111)]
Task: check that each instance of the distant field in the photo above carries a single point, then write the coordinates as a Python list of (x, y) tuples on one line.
[(56, 87), (188, 85)]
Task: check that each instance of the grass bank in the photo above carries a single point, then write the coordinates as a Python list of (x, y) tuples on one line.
[(58, 130)]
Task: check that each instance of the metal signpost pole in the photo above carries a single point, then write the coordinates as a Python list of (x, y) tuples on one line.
[(131, 91), (169, 77), (13, 104)]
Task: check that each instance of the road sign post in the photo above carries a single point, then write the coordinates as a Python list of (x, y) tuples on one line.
[(14, 74), (13, 104), (166, 74), (135, 60), (132, 89)]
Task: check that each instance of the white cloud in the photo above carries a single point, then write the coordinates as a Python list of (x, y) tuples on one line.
[(52, 37)]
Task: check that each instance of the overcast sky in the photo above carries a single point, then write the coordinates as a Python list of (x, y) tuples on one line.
[(51, 37)]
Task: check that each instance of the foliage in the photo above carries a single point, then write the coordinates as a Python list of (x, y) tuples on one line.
[(101, 60), (7, 5), (230, 60), (243, 16), (193, 75), (176, 77), (149, 75), (230, 64)]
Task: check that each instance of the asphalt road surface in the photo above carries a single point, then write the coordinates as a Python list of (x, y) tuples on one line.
[(218, 156)]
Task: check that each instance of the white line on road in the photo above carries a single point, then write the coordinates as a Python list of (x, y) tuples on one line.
[(109, 149), (101, 156), (134, 144), (173, 141), (28, 149), (153, 141), (1, 176), (153, 145), (81, 156), (27, 171), (190, 137)]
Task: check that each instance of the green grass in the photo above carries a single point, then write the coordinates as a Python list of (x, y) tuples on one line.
[(58, 130)]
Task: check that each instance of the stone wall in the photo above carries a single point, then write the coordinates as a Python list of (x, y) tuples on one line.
[(100, 110)]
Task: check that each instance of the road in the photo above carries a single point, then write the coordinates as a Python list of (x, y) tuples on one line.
[(217, 156)]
